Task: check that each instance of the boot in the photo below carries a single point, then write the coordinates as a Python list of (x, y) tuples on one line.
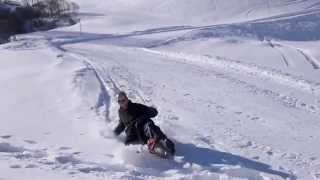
[(169, 145)]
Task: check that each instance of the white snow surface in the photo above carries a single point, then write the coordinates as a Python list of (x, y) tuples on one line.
[(236, 84)]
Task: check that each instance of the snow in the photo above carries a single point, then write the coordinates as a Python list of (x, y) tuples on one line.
[(237, 89)]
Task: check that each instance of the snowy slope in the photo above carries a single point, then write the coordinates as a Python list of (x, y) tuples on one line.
[(128, 16), (239, 99)]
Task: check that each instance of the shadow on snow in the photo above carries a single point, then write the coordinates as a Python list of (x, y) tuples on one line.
[(208, 158)]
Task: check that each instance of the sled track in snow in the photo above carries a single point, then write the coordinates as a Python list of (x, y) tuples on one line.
[(110, 83), (313, 62), (244, 68), (105, 98), (274, 46)]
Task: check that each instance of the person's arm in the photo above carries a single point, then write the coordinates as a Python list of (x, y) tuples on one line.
[(119, 129), (150, 112), (145, 112)]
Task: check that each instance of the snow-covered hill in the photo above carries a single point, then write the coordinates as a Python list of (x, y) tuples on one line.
[(236, 85), (122, 15)]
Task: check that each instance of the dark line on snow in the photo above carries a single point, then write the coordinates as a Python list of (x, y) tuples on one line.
[(312, 62)]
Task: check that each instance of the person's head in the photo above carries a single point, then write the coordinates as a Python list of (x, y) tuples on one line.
[(123, 100)]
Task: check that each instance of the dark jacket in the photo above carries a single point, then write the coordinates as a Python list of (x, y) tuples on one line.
[(134, 117)]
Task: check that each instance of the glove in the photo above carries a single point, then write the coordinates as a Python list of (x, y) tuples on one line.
[(129, 140), (126, 142)]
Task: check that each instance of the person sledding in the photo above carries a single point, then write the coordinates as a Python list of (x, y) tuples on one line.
[(135, 120)]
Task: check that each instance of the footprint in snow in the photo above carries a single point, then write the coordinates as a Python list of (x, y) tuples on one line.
[(175, 118), (72, 173), (246, 144), (67, 159), (313, 158), (6, 136), (312, 107), (30, 166), (270, 153), (109, 155), (255, 118), (64, 148), (91, 169), (15, 166), (256, 157), (220, 107), (30, 141), (317, 175)]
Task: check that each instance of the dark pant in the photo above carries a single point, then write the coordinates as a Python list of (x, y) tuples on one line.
[(142, 132), (152, 131)]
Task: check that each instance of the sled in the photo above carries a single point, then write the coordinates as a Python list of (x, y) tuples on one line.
[(160, 149)]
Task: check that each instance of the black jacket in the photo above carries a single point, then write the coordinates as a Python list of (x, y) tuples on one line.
[(135, 116)]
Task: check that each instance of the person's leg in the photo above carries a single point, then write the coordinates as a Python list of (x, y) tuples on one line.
[(154, 133)]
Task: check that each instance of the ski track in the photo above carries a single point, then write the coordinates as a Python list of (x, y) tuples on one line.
[(243, 143), (244, 68), (287, 101), (137, 91), (286, 16), (108, 87), (315, 64), (274, 46), (104, 98), (310, 60)]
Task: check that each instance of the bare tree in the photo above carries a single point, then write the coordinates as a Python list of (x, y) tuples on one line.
[(51, 8), (27, 2)]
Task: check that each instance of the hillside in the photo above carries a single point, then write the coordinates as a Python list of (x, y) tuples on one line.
[(236, 86)]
